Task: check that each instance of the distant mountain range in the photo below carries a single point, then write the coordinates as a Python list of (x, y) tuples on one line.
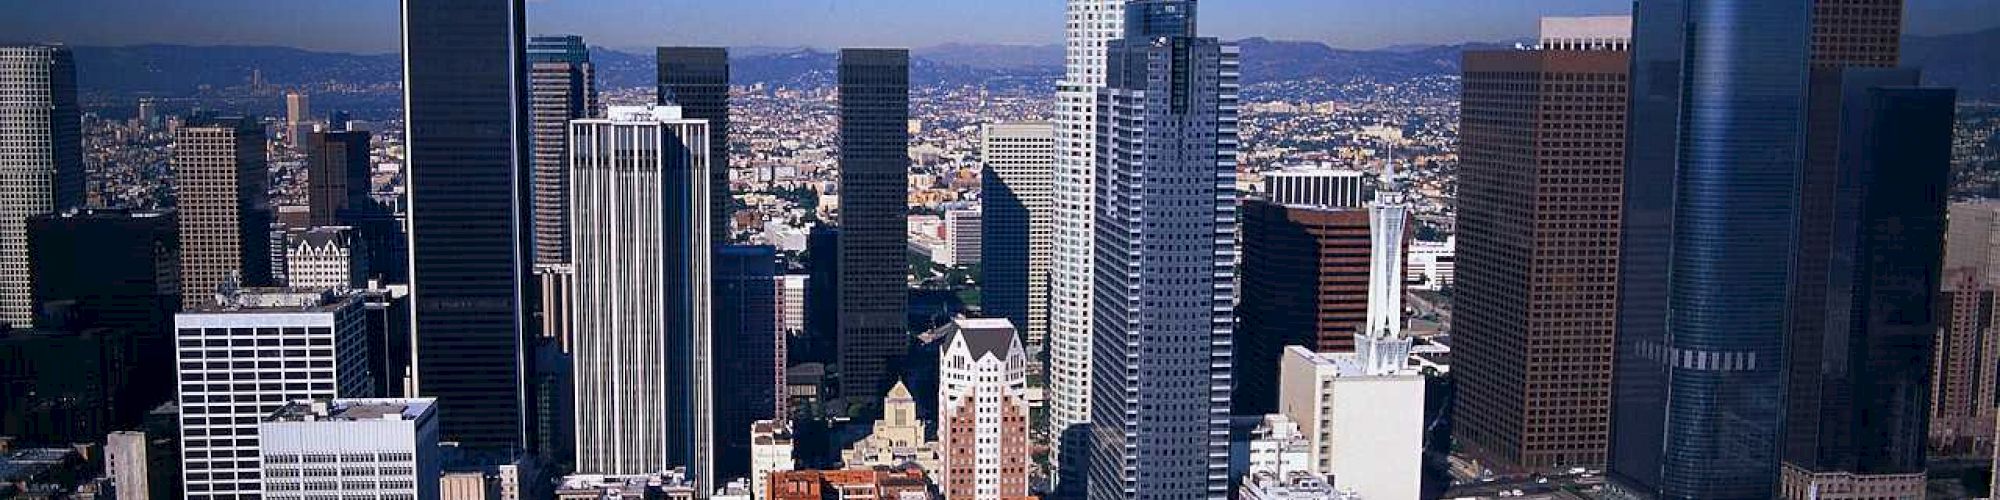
[(1966, 61)]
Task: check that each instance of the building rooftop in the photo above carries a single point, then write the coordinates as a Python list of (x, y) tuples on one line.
[(982, 336), (263, 300), (353, 410)]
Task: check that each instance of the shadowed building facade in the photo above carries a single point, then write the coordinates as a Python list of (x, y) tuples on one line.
[(874, 167)]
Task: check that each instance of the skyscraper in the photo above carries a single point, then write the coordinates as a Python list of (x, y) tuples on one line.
[(1305, 283), (463, 91), (298, 119), (1088, 26), (750, 379), (642, 304), (1017, 161), (983, 411), (562, 86), (1858, 417), (697, 80), (305, 345), (874, 167), (119, 269), (337, 170), (1166, 252), (220, 188), (1965, 373), (41, 169), (1715, 136), (1973, 240), (1542, 155)]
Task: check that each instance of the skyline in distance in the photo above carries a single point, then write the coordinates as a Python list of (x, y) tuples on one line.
[(371, 26)]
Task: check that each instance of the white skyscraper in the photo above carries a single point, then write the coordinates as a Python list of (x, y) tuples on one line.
[(640, 241), (351, 448), (242, 358), (1166, 259), (1090, 24), (1017, 161), (41, 159)]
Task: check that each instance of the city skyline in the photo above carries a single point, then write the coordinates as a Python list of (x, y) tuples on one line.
[(370, 26)]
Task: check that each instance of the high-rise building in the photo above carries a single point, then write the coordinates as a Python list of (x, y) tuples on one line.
[(325, 257), (874, 243), (125, 463), (1966, 356), (1304, 283), (749, 381), (1163, 318), (64, 385), (1714, 143), (366, 448), (1972, 242), (1017, 161), (770, 453), (697, 80), (793, 290), (983, 411), (41, 168), (116, 269), (1319, 188), (962, 239), (220, 188), (642, 309), (1542, 155), (562, 86), (296, 344), (1088, 26), (298, 119), (1859, 387), (337, 170), (822, 297), (464, 88)]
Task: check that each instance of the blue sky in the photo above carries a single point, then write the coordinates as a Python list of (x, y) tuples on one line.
[(370, 25)]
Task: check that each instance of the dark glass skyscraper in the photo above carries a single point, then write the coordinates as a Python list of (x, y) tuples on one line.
[(463, 92), (874, 167), (697, 80), (1859, 389), (1715, 144), (746, 342), (337, 169)]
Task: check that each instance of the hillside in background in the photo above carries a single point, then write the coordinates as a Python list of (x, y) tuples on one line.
[(1968, 61)]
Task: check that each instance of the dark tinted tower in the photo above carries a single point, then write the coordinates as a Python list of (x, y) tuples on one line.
[(697, 80), (463, 93), (1715, 145), (874, 167), (337, 170)]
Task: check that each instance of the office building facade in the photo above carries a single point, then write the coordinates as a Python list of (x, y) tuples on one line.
[(1319, 188), (364, 448), (1088, 26), (1017, 169), (41, 170), (338, 170), (245, 355), (1715, 141), (221, 187), (1165, 258), (562, 86), (874, 260), (1305, 283), (298, 119), (697, 80), (464, 88), (642, 306), (1543, 140), (983, 411), (325, 257), (750, 379)]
